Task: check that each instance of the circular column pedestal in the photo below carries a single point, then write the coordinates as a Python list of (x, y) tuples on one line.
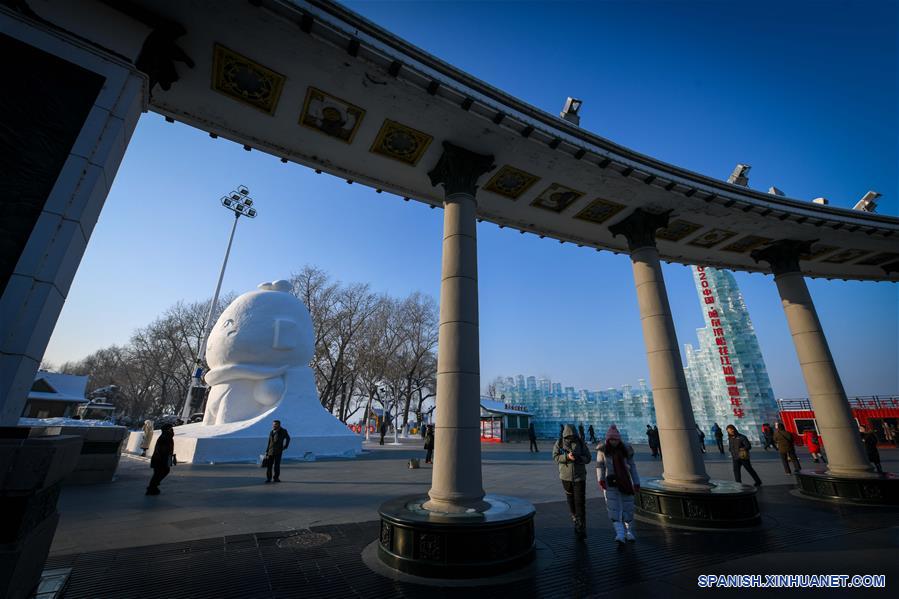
[(467, 545), (881, 489), (725, 504)]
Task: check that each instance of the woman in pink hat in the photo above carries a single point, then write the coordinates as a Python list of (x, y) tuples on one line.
[(617, 475)]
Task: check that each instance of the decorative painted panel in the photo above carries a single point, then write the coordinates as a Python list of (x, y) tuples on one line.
[(846, 256), (330, 115), (744, 244), (881, 258), (244, 80), (818, 250), (677, 230), (400, 142), (556, 198), (599, 211), (511, 182), (712, 238)]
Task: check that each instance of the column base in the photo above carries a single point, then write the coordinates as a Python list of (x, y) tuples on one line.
[(475, 544), (33, 469), (882, 489), (724, 504)]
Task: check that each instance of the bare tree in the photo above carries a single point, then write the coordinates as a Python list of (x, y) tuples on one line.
[(368, 348)]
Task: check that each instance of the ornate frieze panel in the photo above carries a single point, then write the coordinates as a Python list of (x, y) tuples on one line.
[(400, 142), (556, 198), (511, 182), (712, 238), (677, 230), (599, 211), (845, 256), (747, 243), (330, 115), (244, 80)]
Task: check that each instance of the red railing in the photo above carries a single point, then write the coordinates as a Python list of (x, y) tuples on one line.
[(864, 402)]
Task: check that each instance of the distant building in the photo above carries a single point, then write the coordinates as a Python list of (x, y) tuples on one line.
[(55, 395), (503, 422), (726, 374), (551, 406)]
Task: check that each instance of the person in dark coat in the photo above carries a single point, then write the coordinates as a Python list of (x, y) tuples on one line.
[(740, 447), (658, 439), (767, 436), (429, 444), (719, 437), (572, 456), (591, 433), (701, 439), (786, 447), (870, 441), (532, 437), (383, 431), (651, 441), (161, 461), (580, 432), (278, 441)]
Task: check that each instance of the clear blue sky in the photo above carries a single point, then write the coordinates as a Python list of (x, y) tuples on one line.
[(805, 92)]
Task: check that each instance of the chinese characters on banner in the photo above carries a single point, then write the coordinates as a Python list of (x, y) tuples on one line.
[(727, 369)]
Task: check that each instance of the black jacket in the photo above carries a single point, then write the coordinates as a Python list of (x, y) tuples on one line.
[(162, 453), (278, 441), (870, 441), (735, 443)]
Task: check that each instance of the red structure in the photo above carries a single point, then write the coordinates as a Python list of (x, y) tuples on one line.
[(798, 416)]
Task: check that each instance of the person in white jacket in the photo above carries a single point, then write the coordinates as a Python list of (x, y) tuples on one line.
[(616, 473)]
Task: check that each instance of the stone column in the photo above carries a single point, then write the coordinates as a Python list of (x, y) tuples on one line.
[(838, 429), (63, 132), (683, 464), (456, 480)]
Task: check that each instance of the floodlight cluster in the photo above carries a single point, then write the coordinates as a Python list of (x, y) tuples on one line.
[(239, 202)]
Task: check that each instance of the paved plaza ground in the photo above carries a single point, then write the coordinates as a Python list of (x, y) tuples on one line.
[(219, 531)]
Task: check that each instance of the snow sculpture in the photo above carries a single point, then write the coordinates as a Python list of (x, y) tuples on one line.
[(263, 338), (259, 352)]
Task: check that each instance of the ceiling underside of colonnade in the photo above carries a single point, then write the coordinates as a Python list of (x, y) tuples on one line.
[(313, 83)]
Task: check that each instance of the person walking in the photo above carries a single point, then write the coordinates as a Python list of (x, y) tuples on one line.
[(740, 447), (572, 456), (161, 461), (786, 447), (383, 431), (658, 440), (532, 437), (616, 473), (719, 437), (813, 444), (869, 438), (649, 440), (591, 433), (429, 444), (147, 438), (768, 436), (278, 441), (701, 439), (580, 431)]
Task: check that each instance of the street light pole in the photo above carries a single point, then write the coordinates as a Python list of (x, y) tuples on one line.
[(241, 204)]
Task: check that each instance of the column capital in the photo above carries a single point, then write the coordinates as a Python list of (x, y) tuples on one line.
[(783, 255), (459, 169), (639, 227)]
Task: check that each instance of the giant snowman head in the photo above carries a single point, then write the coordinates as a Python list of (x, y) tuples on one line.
[(266, 327)]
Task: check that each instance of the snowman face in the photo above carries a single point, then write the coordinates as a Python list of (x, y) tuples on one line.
[(263, 327)]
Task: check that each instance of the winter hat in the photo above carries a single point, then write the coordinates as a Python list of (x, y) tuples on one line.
[(613, 433)]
